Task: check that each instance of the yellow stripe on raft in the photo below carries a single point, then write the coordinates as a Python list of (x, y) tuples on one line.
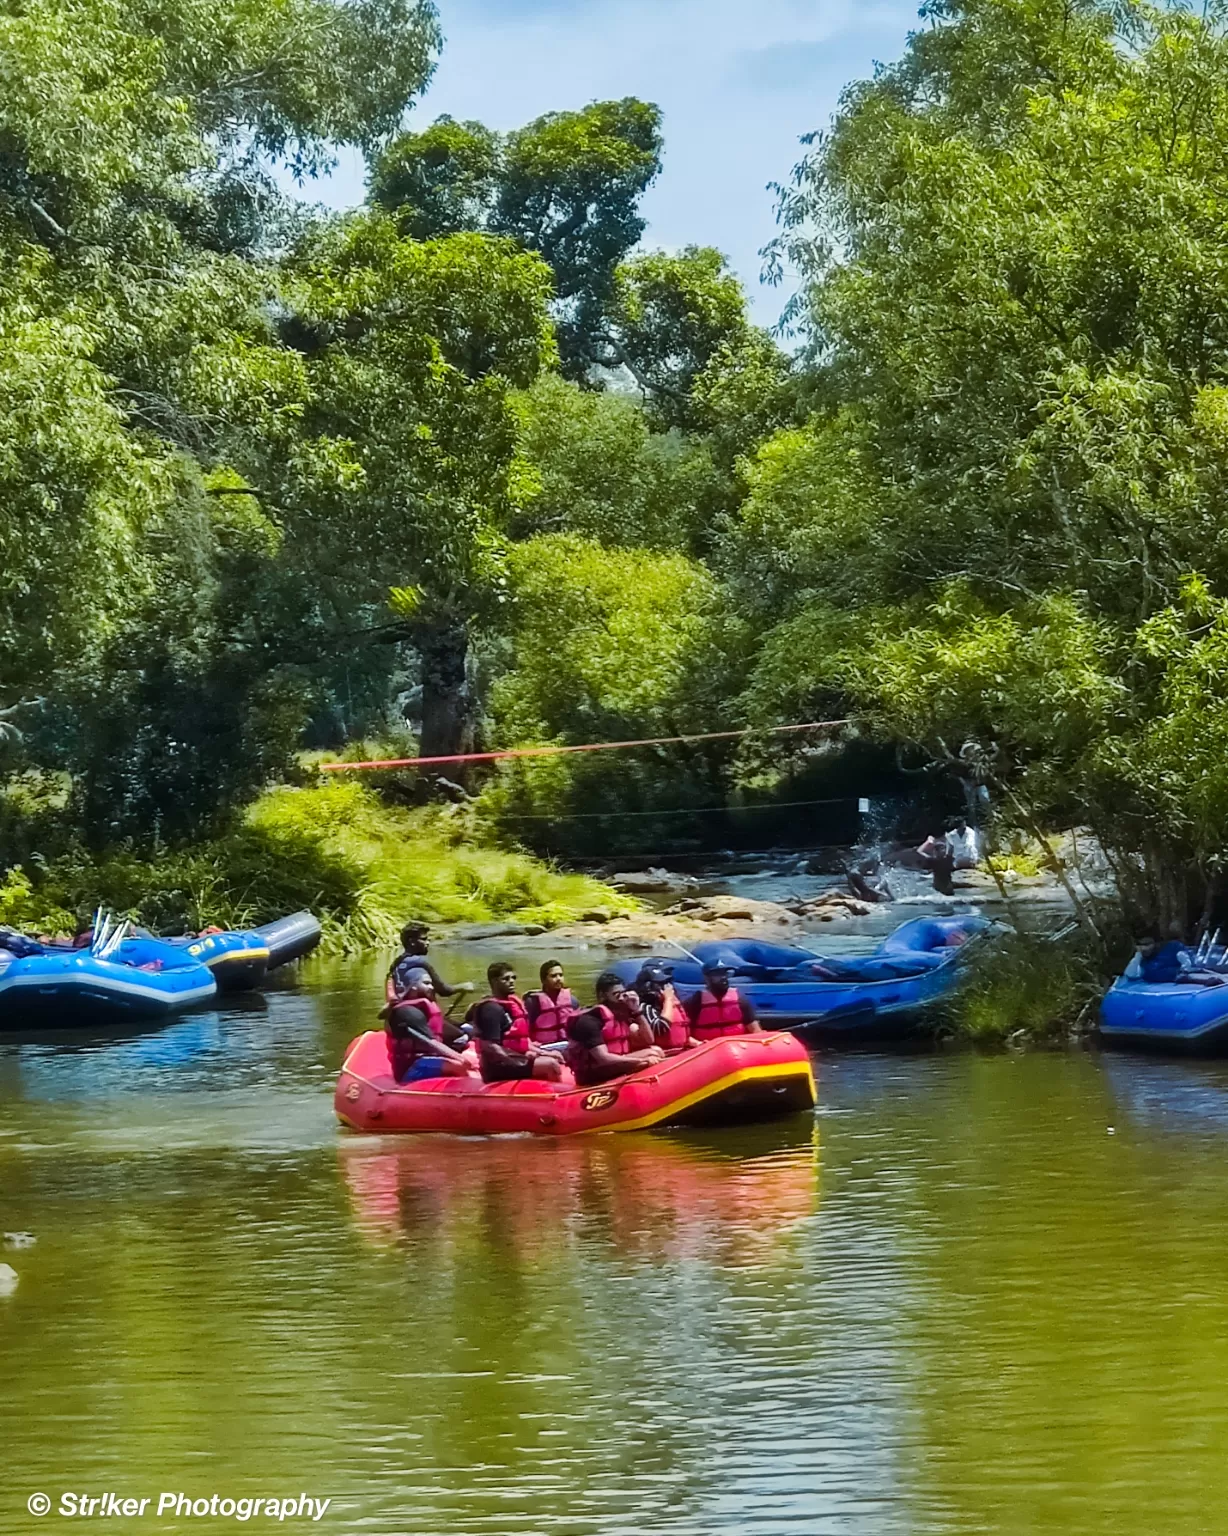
[(676, 1106), (238, 954)]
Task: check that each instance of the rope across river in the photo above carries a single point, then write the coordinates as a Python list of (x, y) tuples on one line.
[(593, 746)]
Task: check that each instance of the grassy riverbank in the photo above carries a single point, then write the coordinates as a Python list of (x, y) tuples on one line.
[(362, 865), (1029, 989)]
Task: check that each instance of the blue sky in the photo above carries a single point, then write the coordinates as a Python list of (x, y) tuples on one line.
[(739, 82)]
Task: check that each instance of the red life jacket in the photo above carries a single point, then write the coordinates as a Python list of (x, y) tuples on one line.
[(679, 1026), (517, 1038), (550, 1025), (434, 1014), (615, 1032), (718, 1016), (404, 1050)]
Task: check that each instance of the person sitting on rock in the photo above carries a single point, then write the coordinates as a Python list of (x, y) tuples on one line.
[(663, 1011), (936, 857), (550, 1009), (964, 843), (716, 1009), (601, 1041), (415, 1029), (501, 1032)]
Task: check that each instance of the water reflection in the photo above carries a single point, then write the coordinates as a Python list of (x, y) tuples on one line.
[(1173, 1096), (655, 1197)]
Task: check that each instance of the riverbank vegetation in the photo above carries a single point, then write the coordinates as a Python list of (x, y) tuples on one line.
[(359, 863), (468, 463)]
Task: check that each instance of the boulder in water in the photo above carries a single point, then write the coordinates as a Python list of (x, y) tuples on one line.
[(8, 1279), (19, 1239)]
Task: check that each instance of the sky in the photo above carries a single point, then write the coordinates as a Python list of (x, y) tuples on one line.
[(739, 82)]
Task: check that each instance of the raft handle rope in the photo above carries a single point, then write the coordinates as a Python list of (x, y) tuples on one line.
[(592, 746)]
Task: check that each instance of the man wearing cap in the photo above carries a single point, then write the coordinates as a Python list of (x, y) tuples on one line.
[(662, 1010), (718, 1010)]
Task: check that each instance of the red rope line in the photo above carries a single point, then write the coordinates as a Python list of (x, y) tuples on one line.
[(595, 746)]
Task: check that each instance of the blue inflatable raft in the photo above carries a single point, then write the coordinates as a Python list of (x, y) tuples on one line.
[(137, 979), (791, 988), (241, 958), (1166, 1015)]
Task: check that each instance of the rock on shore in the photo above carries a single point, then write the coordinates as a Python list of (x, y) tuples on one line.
[(714, 917)]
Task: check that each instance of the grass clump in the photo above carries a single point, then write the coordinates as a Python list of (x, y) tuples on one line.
[(422, 862), (1028, 986), (362, 865)]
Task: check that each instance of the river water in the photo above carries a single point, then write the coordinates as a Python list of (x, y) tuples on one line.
[(973, 1294)]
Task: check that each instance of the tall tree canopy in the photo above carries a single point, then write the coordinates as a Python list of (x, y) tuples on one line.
[(567, 186), (1016, 286)]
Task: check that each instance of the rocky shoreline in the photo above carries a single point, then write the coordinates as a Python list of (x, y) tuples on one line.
[(695, 918)]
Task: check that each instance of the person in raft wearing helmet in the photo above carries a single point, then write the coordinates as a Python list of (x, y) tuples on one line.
[(550, 1009), (611, 1039), (663, 1011), (718, 1010), (415, 1029), (501, 1032)]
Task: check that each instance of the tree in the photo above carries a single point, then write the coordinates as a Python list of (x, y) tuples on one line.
[(403, 473), (567, 186), (138, 357), (608, 644), (1014, 283), (442, 181), (593, 466)]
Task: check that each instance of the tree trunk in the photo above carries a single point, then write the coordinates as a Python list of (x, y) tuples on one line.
[(447, 705)]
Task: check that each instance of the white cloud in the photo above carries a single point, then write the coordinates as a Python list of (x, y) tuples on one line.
[(739, 83)]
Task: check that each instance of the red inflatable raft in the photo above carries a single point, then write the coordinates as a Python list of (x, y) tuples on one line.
[(739, 1078)]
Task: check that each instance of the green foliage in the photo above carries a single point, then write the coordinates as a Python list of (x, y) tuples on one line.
[(672, 316), (601, 638), (594, 467), (1027, 987), (566, 186), (1014, 285), (441, 181), (362, 866), (609, 645)]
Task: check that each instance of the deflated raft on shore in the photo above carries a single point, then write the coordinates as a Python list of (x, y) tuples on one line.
[(729, 1081)]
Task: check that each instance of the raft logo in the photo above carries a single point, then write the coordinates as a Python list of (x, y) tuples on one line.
[(102, 1506), (602, 1099)]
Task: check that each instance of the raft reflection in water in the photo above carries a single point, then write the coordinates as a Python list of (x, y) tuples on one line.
[(661, 1197)]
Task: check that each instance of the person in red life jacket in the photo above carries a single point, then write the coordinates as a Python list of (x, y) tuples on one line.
[(600, 1040), (501, 1032), (549, 1009), (663, 1011), (415, 1028), (718, 1010)]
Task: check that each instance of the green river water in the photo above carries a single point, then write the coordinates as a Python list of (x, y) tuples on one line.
[(973, 1294)]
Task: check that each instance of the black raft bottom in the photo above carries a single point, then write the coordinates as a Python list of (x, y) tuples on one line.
[(744, 1102)]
